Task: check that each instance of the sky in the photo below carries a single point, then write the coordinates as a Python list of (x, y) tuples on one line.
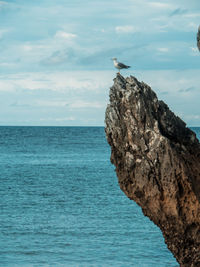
[(55, 60)]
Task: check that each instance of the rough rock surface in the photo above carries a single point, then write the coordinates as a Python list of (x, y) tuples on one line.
[(157, 161)]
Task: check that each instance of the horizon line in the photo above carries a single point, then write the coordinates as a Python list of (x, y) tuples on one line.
[(188, 126)]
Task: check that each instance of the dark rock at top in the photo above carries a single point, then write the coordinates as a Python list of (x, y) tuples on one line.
[(157, 161)]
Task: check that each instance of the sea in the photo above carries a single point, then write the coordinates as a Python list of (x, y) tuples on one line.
[(61, 205)]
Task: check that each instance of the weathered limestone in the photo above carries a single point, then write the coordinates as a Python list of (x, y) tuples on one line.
[(157, 161)]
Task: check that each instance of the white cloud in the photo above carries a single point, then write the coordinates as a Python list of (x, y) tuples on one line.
[(29, 84), (194, 49), (163, 49), (31, 47), (7, 64), (51, 103), (192, 26), (3, 31), (27, 48), (126, 29), (77, 81), (63, 119), (83, 104), (6, 86), (192, 117), (160, 5), (192, 15), (65, 35), (3, 3)]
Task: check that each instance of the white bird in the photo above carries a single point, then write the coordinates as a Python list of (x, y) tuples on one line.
[(119, 65)]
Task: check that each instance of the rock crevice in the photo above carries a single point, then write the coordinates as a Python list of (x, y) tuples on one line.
[(157, 161)]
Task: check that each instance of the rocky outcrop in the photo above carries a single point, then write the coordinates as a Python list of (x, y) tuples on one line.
[(157, 161)]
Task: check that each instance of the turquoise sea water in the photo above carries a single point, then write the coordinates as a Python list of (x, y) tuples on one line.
[(61, 204)]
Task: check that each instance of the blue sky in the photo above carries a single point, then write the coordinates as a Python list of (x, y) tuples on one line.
[(55, 66)]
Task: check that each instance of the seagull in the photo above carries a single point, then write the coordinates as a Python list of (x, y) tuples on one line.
[(119, 65)]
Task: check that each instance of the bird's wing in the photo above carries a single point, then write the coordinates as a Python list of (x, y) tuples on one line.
[(198, 38), (123, 66)]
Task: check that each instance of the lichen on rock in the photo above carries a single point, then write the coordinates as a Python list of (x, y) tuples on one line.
[(157, 161)]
